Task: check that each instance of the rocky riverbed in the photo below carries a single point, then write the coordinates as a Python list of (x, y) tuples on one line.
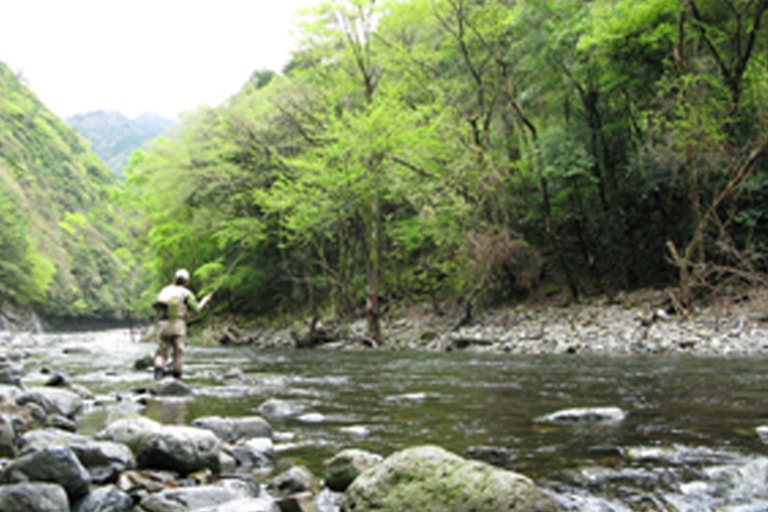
[(641, 322), (228, 464), (213, 464)]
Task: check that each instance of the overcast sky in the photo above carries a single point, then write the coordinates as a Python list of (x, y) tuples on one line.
[(134, 56)]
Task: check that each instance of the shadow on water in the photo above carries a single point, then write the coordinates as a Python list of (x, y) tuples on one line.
[(687, 418)]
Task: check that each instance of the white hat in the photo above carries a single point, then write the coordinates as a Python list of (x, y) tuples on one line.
[(183, 274)]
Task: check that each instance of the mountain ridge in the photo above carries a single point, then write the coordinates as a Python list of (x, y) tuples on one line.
[(113, 136)]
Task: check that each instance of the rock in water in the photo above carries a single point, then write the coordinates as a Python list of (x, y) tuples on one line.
[(585, 416), (431, 479)]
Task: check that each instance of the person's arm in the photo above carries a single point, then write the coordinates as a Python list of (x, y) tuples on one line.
[(196, 306)]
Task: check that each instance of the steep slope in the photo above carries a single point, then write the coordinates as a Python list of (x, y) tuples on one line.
[(67, 263), (113, 136)]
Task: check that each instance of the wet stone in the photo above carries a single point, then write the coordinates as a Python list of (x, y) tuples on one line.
[(172, 387), (33, 496)]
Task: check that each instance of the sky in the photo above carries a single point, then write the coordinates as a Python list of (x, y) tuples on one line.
[(136, 56)]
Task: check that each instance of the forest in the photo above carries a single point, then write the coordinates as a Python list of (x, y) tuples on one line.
[(467, 153)]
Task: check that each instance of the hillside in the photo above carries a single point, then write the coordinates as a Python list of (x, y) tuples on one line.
[(114, 136), (62, 239)]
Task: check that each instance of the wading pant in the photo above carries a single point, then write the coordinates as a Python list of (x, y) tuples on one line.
[(172, 334)]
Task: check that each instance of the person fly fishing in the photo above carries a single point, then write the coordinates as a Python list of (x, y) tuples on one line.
[(173, 305)]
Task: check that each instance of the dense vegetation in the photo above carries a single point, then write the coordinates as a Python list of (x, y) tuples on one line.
[(114, 136), (462, 152), (63, 248), (475, 151)]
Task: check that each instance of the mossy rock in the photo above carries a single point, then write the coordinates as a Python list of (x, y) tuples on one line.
[(431, 479)]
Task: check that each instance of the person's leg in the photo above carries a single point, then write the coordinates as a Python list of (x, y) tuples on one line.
[(161, 355), (178, 356)]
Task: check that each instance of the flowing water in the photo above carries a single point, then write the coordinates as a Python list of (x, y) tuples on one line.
[(688, 443)]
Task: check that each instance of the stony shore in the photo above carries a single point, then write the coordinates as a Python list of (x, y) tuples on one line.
[(642, 322)]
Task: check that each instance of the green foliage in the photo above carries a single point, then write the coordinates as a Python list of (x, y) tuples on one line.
[(462, 151), (636, 37), (58, 229), (17, 271)]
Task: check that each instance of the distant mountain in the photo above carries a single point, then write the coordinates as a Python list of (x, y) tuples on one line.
[(113, 136)]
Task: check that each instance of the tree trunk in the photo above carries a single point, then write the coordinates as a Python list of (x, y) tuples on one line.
[(372, 311)]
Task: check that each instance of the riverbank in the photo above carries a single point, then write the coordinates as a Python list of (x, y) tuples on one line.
[(641, 322)]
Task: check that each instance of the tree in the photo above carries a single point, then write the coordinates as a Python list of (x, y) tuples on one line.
[(25, 275), (699, 129)]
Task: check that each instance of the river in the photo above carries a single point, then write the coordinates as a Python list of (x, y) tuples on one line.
[(688, 443)]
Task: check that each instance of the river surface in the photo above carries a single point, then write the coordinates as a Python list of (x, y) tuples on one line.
[(688, 443)]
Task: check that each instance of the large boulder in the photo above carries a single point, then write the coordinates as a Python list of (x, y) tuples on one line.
[(431, 479), (33, 497), (41, 438), (179, 448), (104, 460), (129, 431), (53, 401), (57, 465)]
